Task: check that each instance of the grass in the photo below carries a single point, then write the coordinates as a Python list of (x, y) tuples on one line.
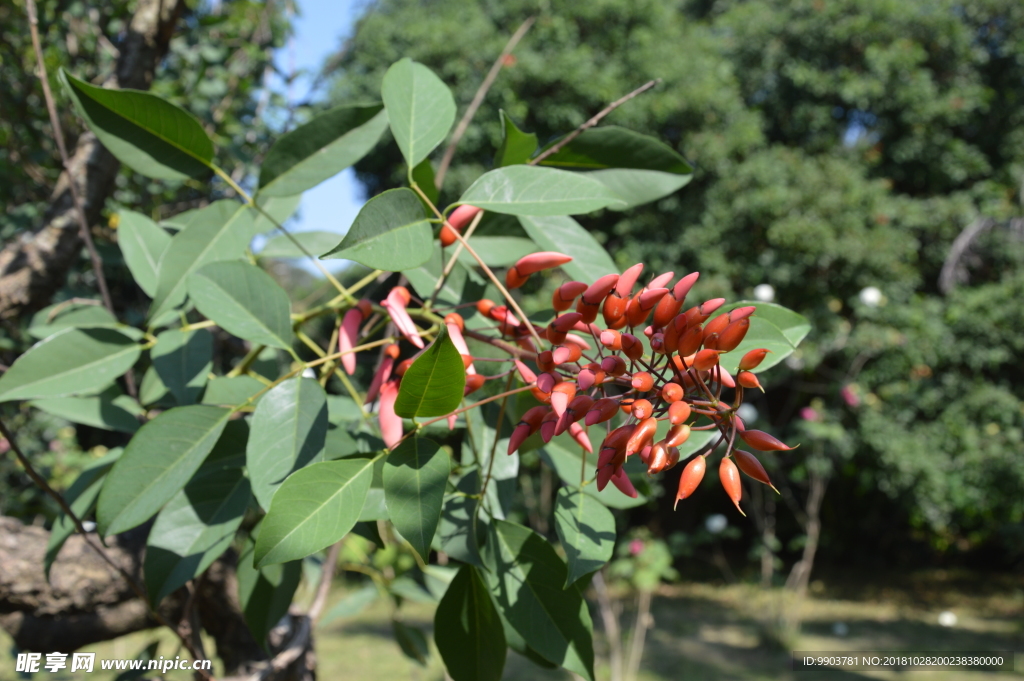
[(705, 632)]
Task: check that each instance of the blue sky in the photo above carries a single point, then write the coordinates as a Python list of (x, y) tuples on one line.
[(320, 29)]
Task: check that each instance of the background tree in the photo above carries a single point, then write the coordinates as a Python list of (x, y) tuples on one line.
[(839, 146)]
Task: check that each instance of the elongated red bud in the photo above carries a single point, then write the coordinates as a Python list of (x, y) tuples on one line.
[(535, 262), (514, 278), (614, 308), (632, 347), (546, 361), (730, 477), (577, 409), (601, 411), (709, 306), (390, 422), (604, 474), (383, 372), (348, 336), (753, 358), (600, 289), (473, 383), (395, 304), (741, 313), (749, 464), (733, 335), (693, 473), (689, 341), (546, 382), (547, 426), (762, 441), (565, 295), (657, 459), (611, 339), (455, 333), (748, 380), (624, 287), (677, 435), (613, 365), (725, 377), (658, 344), (661, 281), (666, 309), (462, 216), (577, 341), (561, 394), (525, 372), (566, 353), (643, 434), (678, 412), (716, 325), (566, 322), (673, 457), (671, 392), (683, 286), (642, 409), (623, 483), (527, 426), (705, 360), (580, 435), (643, 382), (651, 297)]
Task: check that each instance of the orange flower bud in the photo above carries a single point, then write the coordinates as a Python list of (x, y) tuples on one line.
[(678, 412), (753, 358), (643, 381), (693, 473), (671, 392), (749, 464), (642, 409), (730, 477), (762, 441)]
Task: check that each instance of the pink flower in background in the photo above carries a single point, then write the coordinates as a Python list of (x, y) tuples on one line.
[(636, 547), (849, 396), (809, 414), (4, 445)]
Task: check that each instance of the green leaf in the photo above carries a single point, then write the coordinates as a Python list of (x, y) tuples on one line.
[(567, 464), (144, 131), (276, 210), (153, 392), (195, 527), (415, 476), (412, 642), (182, 360), (458, 535), (315, 507), (231, 390), (109, 410), (468, 631), (635, 167), (81, 497), (590, 261), (434, 384), (320, 149), (526, 578), (221, 231), (375, 507), (587, 532), (497, 251), (69, 362), (423, 175), (265, 594), (529, 190), (516, 146), (421, 109), (289, 428), (244, 301), (74, 315), (351, 605), (142, 243), (315, 242), (390, 233), (158, 461)]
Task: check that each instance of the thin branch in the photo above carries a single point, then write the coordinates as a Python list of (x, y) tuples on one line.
[(77, 522), (595, 120), (58, 135), (455, 257), (478, 99)]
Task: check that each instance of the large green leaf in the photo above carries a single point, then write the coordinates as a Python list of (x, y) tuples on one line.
[(289, 427), (142, 243), (635, 167), (590, 261), (182, 360), (144, 131), (273, 212), (420, 109), (587, 532), (315, 507), (265, 594), (567, 464), (461, 532), (351, 605), (158, 461), (109, 410), (81, 497), (516, 146), (195, 527), (281, 246), (221, 231), (526, 578), (321, 148), (390, 233), (434, 384), (468, 631), (529, 190), (66, 315), (415, 476), (411, 641), (72, 361), (244, 301)]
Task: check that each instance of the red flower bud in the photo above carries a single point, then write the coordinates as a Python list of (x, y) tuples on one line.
[(632, 347), (748, 380), (671, 392), (625, 285), (564, 296), (677, 435), (642, 409), (749, 464), (705, 360), (643, 434), (561, 394), (601, 411), (730, 477), (613, 365), (678, 412), (753, 358), (643, 381), (762, 441), (733, 335), (693, 473), (657, 459)]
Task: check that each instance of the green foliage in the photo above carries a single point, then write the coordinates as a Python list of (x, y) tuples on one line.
[(390, 232), (245, 301), (468, 630), (586, 529), (529, 190), (434, 384), (420, 109), (415, 476)]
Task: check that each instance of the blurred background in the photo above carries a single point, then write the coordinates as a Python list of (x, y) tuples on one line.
[(858, 161)]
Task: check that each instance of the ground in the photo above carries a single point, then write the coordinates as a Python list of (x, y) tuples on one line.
[(709, 632)]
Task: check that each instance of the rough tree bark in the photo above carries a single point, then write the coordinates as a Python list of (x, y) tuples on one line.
[(34, 266)]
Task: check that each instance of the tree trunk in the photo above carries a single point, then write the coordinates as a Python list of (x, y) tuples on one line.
[(34, 266)]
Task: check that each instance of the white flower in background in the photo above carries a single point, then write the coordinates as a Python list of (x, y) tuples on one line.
[(871, 296), (308, 372), (747, 412), (947, 618), (715, 523), (764, 292)]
